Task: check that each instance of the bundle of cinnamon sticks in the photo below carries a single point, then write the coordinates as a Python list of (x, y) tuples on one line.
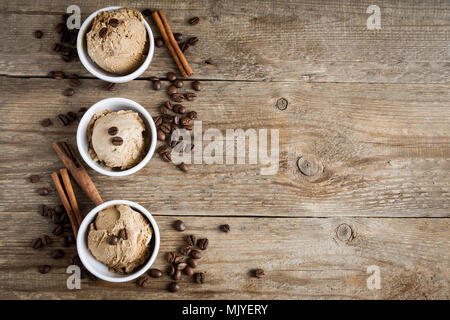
[(167, 34)]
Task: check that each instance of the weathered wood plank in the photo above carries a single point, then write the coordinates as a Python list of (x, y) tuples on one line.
[(382, 150), (308, 41), (303, 258)]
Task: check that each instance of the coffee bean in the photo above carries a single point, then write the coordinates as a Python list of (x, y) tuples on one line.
[(179, 225), (162, 149), (203, 244), (38, 34), (259, 273), (192, 115), (159, 42), (156, 85), (191, 240), (168, 104), (165, 127), (170, 257), (155, 273), (44, 269), (74, 82), (178, 259), (176, 121), (46, 240), (189, 271), (113, 22), (43, 210), (112, 240), (68, 92), (111, 86), (164, 110), (43, 191), (113, 131), (200, 277), (183, 167), (179, 108), (57, 254), (225, 228), (81, 112), (71, 239), (178, 36), (176, 275), (197, 86), (196, 254), (181, 266), (174, 287), (46, 122), (178, 83), (153, 78), (166, 157), (66, 58), (171, 76), (185, 250), (117, 141), (192, 41), (185, 121), (72, 116), (103, 32), (158, 121), (193, 263), (57, 75), (143, 281), (193, 21), (170, 270), (190, 96), (36, 243), (147, 12), (56, 219), (172, 90), (34, 178), (57, 47), (167, 119), (63, 119), (59, 209), (184, 46)]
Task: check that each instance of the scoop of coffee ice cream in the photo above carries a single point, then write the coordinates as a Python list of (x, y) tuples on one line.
[(117, 139), (129, 251), (117, 41)]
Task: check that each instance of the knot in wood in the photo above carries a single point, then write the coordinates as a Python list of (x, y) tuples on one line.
[(282, 104), (344, 232), (308, 166)]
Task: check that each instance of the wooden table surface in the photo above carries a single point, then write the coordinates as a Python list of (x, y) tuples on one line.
[(369, 108)]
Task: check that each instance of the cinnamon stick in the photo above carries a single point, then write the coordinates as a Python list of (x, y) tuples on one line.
[(73, 163), (65, 202), (71, 195), (172, 45)]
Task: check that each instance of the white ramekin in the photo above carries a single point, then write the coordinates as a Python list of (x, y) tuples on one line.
[(93, 68), (114, 104), (99, 269)]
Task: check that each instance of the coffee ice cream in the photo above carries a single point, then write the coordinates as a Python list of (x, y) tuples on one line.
[(117, 40), (120, 238), (117, 140)]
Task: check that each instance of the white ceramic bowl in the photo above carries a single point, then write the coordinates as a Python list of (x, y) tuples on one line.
[(93, 68), (114, 104), (99, 269)]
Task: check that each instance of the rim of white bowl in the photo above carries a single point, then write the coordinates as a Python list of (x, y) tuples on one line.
[(85, 251), (82, 136), (106, 76)]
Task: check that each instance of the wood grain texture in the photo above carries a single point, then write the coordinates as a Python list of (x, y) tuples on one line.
[(383, 150), (307, 41), (303, 258)]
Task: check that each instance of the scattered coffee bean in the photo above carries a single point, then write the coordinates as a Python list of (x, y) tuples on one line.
[(179, 225), (66, 58), (196, 254), (181, 266), (192, 115), (193, 21), (123, 234), (36, 243), (172, 89), (113, 131), (59, 209), (185, 250), (111, 86), (183, 167), (177, 275), (69, 92), (176, 121), (168, 104), (46, 240), (38, 34), (162, 149), (171, 76), (158, 121), (63, 119), (155, 273), (112, 240), (193, 263), (43, 191), (156, 85), (178, 83), (57, 75), (164, 110), (159, 42), (103, 32), (174, 287), (147, 12), (43, 210), (161, 135), (34, 178), (185, 121), (113, 22), (46, 122), (192, 41), (117, 141), (74, 82), (189, 270), (143, 281), (179, 108), (170, 257), (259, 273), (203, 244), (178, 259), (225, 228), (166, 157), (191, 240), (170, 270), (197, 86), (184, 46), (72, 116), (190, 96), (57, 254), (44, 269), (153, 78), (165, 127), (200, 277), (178, 36)]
